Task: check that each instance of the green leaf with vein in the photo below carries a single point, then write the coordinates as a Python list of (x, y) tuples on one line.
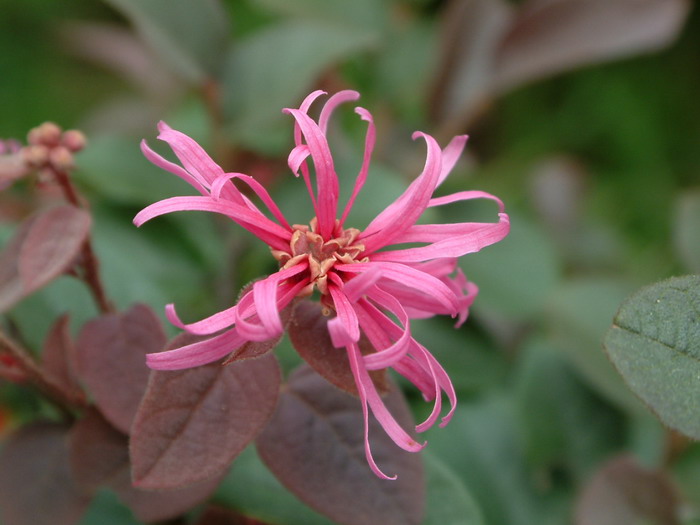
[(654, 343)]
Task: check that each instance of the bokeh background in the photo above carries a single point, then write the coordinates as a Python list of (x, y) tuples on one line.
[(583, 117)]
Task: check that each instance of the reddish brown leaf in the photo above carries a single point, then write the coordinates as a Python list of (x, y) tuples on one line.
[(624, 492), (58, 356), (255, 349), (192, 423), (100, 456), (309, 335), (314, 444), (36, 483), (43, 248), (470, 37), (550, 36), (110, 356)]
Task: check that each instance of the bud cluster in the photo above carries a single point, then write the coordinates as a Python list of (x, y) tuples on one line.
[(49, 146)]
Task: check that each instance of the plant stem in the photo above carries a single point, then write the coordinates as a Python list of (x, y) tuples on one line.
[(64, 401), (90, 263)]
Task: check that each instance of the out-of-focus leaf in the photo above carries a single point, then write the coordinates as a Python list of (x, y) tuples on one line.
[(686, 474), (309, 335), (42, 249), (361, 14), (654, 343), (274, 68), (115, 168), (221, 516), (623, 492), (562, 422), (470, 39), (686, 233), (192, 423), (578, 315), (106, 509), (449, 501), (550, 36), (36, 484), (58, 356), (191, 36), (251, 489), (480, 444), (314, 445), (111, 360), (517, 275), (100, 456)]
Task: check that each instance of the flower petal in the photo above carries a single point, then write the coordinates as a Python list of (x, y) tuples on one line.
[(405, 211), (333, 102), (344, 328), (370, 139), (450, 156), (255, 222), (173, 168), (196, 354)]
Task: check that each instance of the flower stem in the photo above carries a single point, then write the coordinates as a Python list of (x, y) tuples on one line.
[(90, 263)]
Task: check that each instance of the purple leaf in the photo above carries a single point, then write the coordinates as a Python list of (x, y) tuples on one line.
[(44, 247), (470, 37), (624, 492), (100, 456), (58, 357), (36, 483), (314, 445), (110, 355), (309, 335), (192, 423), (550, 36)]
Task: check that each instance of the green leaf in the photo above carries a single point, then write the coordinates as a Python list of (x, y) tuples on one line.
[(360, 14), (190, 36), (654, 343), (449, 501), (562, 422), (578, 315), (274, 68), (251, 489), (686, 234)]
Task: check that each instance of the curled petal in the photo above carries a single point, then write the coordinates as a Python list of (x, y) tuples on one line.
[(265, 296), (370, 139), (199, 184), (405, 211), (196, 354), (333, 102), (450, 156), (344, 328), (210, 325)]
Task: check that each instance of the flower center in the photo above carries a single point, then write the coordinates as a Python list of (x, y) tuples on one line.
[(321, 254)]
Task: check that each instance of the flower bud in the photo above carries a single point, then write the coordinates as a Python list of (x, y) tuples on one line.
[(47, 134), (35, 156), (61, 158), (74, 140)]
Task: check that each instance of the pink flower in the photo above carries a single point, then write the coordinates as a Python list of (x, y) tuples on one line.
[(364, 285)]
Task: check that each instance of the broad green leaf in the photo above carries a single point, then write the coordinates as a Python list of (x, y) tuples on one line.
[(578, 315), (654, 343), (516, 275), (449, 501), (191, 36), (275, 68), (360, 14), (686, 233), (562, 422), (251, 489), (480, 444), (106, 509)]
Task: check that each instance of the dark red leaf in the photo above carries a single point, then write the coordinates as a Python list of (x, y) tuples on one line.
[(550, 36), (192, 423), (59, 355), (624, 492), (44, 247), (314, 444), (470, 37), (100, 456), (36, 483), (110, 358), (309, 335)]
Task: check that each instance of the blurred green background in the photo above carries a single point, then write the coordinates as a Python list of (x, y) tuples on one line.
[(586, 123)]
